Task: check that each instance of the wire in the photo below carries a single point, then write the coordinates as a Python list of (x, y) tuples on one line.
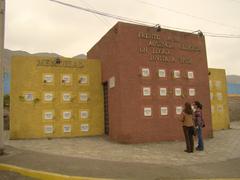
[(125, 19), (186, 14), (98, 17)]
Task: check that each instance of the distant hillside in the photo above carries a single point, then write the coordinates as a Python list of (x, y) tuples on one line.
[(7, 56), (233, 79)]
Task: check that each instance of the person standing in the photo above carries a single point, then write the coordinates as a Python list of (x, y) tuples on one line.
[(188, 127), (199, 124)]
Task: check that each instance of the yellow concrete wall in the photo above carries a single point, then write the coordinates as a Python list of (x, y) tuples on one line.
[(219, 101), (29, 74)]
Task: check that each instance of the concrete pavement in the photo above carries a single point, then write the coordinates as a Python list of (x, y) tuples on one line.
[(100, 158)]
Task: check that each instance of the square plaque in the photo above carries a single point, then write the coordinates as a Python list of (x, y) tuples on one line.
[(84, 127), (176, 74), (84, 114), (179, 110), (146, 91), (145, 72), (48, 115), (48, 129), (147, 111), (163, 91), (190, 75), (164, 111), (192, 92), (161, 73), (178, 91), (67, 128), (66, 97), (67, 115)]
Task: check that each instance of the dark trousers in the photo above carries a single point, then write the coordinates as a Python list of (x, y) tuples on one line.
[(188, 133)]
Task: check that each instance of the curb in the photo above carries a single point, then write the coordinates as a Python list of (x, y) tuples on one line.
[(42, 174)]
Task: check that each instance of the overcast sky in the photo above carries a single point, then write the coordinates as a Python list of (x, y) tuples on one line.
[(44, 26)]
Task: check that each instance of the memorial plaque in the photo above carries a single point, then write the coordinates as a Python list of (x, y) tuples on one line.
[(164, 111), (83, 79), (146, 91), (48, 78), (112, 82), (220, 108), (218, 84), (48, 96), (48, 115), (145, 72), (66, 97), (28, 96), (192, 92), (176, 74), (219, 96), (178, 91), (212, 108), (147, 111), (84, 127), (66, 79), (84, 114), (67, 128), (67, 115), (179, 110), (48, 129), (161, 73), (190, 75), (83, 97), (163, 91)]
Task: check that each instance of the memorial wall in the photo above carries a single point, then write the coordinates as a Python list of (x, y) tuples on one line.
[(150, 73), (219, 99), (55, 97)]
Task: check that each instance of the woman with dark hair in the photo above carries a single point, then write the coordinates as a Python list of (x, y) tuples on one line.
[(199, 124), (188, 127)]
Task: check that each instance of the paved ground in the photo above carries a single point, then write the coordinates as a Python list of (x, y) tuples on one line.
[(5, 175), (98, 157)]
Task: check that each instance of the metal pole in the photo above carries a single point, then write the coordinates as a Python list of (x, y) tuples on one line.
[(2, 18)]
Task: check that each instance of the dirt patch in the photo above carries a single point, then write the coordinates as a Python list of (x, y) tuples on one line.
[(234, 108)]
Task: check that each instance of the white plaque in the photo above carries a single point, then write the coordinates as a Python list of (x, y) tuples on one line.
[(67, 128), (163, 91), (28, 96), (211, 96), (161, 73), (179, 110), (145, 72), (48, 96), (212, 108), (218, 84), (84, 127), (176, 74), (192, 92), (220, 108), (83, 79), (146, 91), (66, 97), (83, 97), (67, 114), (48, 115), (84, 114), (147, 111), (164, 111), (66, 79), (219, 96), (190, 75), (210, 84), (48, 129), (112, 82), (178, 91), (48, 78)]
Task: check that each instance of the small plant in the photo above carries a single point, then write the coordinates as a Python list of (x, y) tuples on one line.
[(36, 100)]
